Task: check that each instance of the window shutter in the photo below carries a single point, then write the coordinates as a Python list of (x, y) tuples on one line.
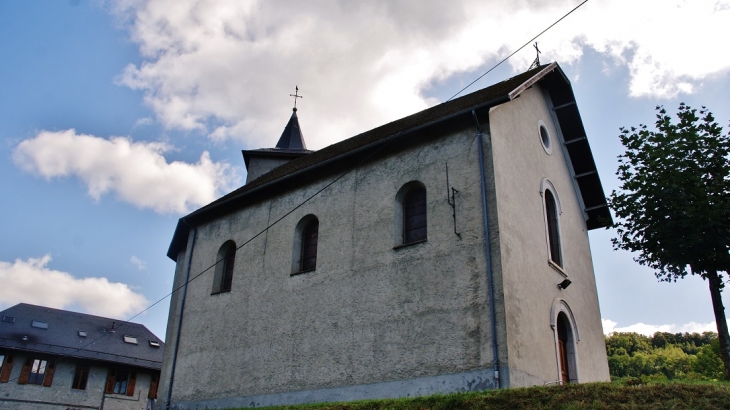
[(309, 245), (25, 372), (50, 369), (131, 382), (110, 382), (7, 368), (414, 216), (230, 259), (154, 381)]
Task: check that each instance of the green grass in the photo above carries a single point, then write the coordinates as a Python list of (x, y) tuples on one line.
[(617, 395)]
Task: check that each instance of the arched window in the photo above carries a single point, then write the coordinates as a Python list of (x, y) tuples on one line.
[(306, 237), (411, 214), (309, 245), (223, 278), (552, 213), (414, 216)]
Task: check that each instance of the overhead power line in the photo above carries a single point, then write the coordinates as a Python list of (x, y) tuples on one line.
[(122, 323), (516, 51)]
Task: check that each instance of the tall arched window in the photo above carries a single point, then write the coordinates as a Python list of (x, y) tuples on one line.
[(223, 278), (553, 229), (414, 216), (309, 245), (306, 237), (411, 214)]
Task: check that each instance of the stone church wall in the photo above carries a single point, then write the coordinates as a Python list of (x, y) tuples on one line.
[(411, 320)]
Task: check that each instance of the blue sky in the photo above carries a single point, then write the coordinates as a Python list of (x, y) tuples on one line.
[(118, 117)]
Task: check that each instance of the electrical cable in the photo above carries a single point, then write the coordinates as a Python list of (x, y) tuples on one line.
[(60, 358), (68, 355), (516, 51)]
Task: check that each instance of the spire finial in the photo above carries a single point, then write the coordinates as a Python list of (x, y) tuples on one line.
[(535, 63), (296, 95)]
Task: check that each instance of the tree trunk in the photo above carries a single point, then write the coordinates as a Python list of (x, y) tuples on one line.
[(722, 330)]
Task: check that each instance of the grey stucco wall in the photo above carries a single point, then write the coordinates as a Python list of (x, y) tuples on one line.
[(530, 283), (61, 396), (369, 313)]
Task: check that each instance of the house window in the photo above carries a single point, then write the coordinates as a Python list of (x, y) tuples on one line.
[(553, 228), (37, 371), (306, 238), (411, 214), (38, 324), (121, 382), (223, 278), (80, 377), (7, 367)]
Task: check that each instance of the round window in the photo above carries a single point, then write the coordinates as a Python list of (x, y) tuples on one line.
[(544, 138)]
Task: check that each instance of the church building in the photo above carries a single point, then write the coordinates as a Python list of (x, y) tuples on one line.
[(445, 251)]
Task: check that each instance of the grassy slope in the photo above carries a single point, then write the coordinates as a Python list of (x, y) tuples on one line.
[(676, 395)]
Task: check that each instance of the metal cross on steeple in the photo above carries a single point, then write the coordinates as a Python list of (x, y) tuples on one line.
[(296, 95), (535, 63)]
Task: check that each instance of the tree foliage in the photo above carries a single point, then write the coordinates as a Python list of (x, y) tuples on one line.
[(665, 356), (673, 208), (674, 203)]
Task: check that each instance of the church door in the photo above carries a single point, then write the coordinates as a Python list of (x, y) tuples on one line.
[(563, 350)]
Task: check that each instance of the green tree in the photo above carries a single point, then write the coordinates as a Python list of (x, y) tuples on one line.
[(709, 363), (673, 207)]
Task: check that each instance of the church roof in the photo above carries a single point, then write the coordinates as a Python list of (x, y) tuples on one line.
[(550, 76), (292, 138), (45, 330)]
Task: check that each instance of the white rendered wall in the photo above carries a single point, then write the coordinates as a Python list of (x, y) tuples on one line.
[(530, 284)]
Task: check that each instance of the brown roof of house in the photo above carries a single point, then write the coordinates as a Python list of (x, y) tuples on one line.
[(486, 97)]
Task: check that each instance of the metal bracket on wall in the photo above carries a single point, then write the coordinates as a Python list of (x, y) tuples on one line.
[(451, 198)]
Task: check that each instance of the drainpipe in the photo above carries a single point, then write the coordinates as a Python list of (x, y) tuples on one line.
[(189, 251), (487, 249)]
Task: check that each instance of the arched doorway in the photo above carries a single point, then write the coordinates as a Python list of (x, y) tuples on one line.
[(563, 331), (567, 338)]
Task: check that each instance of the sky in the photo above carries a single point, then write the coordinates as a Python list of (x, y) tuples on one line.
[(119, 117)]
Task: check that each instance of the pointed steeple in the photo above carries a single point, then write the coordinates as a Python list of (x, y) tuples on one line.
[(290, 147), (292, 138)]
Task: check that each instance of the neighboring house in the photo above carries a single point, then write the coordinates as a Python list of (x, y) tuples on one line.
[(376, 277), (56, 359)]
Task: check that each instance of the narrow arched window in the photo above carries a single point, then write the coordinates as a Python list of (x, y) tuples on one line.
[(310, 235), (551, 214), (223, 278), (414, 216)]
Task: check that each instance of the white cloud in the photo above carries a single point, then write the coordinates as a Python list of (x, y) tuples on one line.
[(136, 172), (365, 63), (609, 326), (139, 263), (31, 281)]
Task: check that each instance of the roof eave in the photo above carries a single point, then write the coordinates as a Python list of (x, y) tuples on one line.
[(588, 184)]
